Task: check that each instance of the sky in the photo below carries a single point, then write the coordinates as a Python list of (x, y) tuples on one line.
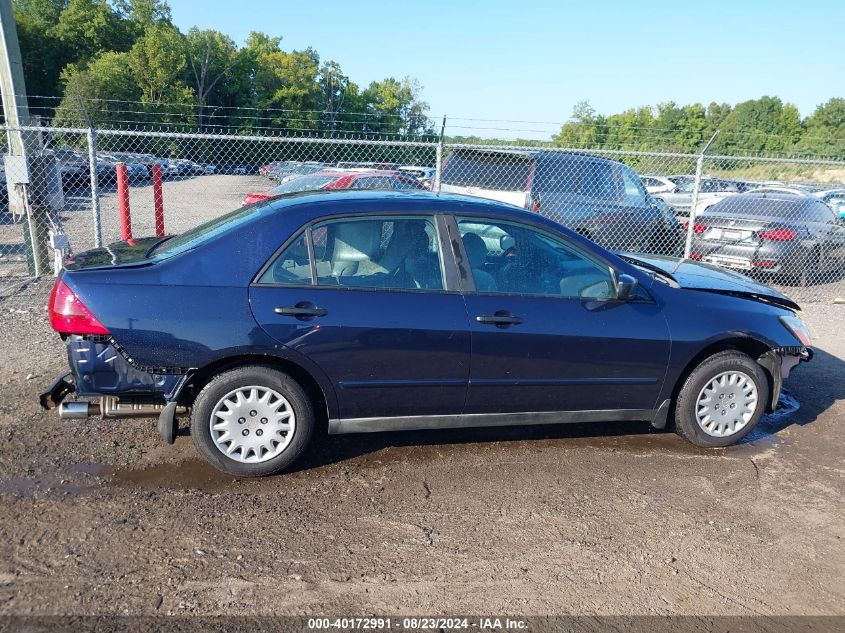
[(511, 62)]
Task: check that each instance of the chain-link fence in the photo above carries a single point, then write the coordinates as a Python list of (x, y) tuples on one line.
[(777, 219)]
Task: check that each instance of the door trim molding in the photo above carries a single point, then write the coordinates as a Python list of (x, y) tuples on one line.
[(339, 426)]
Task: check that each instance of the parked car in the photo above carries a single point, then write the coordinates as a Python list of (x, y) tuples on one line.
[(657, 184), (711, 190), (283, 173), (367, 311), (184, 167), (334, 178), (209, 169), (777, 233), (602, 199), (73, 167), (136, 170), (424, 174), (835, 199)]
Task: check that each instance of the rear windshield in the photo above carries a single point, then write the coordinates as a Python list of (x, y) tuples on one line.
[(204, 232), (760, 206), (303, 183), (488, 170)]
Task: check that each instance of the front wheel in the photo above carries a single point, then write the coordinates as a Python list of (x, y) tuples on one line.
[(252, 421), (722, 400)]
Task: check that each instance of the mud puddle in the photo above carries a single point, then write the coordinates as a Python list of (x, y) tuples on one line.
[(72, 481)]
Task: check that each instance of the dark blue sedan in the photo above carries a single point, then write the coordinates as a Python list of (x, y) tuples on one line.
[(369, 312)]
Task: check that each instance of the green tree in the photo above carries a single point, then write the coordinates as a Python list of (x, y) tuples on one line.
[(87, 28), (40, 50), (97, 85), (583, 130), (824, 130), (157, 61), (211, 55), (394, 107)]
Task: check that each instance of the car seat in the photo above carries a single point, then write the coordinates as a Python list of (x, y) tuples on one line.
[(476, 251)]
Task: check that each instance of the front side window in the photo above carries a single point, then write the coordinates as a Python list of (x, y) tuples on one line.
[(511, 258), (400, 253)]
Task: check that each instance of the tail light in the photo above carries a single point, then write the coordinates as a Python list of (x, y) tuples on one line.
[(69, 315), (696, 256), (778, 235), (697, 228), (254, 197)]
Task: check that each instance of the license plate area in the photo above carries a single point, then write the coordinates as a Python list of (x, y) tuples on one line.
[(729, 261)]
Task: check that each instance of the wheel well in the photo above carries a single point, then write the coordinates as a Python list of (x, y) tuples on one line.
[(750, 346), (202, 376)]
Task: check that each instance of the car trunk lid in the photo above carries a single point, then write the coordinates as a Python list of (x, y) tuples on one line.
[(133, 252)]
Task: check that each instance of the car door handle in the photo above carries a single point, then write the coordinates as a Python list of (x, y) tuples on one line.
[(499, 320), (301, 311)]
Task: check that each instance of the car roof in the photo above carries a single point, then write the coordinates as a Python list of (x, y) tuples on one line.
[(551, 155), (441, 202)]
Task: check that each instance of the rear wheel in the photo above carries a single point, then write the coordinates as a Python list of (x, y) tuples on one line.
[(252, 421), (722, 400)]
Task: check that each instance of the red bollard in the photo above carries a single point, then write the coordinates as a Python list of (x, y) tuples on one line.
[(123, 202), (158, 200)]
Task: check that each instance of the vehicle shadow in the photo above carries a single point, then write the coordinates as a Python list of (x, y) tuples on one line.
[(808, 395)]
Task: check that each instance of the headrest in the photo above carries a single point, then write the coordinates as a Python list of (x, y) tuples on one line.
[(476, 250), (356, 241)]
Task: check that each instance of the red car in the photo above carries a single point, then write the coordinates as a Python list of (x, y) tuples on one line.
[(339, 179)]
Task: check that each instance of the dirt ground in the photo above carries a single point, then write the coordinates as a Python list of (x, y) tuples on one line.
[(103, 518)]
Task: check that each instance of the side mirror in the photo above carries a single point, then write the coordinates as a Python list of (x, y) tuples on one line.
[(625, 287)]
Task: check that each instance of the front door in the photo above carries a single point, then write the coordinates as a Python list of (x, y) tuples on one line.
[(371, 309), (547, 332)]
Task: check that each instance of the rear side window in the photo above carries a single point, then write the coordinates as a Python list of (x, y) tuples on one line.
[(399, 253), (499, 171)]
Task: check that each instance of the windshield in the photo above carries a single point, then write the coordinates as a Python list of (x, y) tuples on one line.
[(303, 183)]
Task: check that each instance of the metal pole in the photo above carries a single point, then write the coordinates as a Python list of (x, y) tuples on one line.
[(438, 159), (158, 200), (95, 187), (95, 177), (123, 202), (31, 195), (699, 167)]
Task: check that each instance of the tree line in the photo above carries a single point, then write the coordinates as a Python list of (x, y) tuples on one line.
[(764, 126), (124, 63)]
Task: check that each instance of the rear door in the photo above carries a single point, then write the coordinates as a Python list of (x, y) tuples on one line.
[(502, 176), (367, 301)]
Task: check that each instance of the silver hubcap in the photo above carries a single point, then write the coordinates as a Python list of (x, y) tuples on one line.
[(252, 424), (726, 404)]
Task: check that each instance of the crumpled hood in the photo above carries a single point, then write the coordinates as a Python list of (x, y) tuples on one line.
[(700, 276)]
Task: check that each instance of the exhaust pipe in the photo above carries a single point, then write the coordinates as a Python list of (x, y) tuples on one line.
[(113, 407), (78, 410)]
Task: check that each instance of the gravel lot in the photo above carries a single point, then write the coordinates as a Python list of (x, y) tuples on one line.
[(103, 518)]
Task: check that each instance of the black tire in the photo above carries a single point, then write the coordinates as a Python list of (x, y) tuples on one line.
[(686, 424), (253, 375)]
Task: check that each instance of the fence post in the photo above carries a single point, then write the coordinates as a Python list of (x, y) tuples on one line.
[(123, 202), (158, 200), (438, 159), (95, 187), (699, 166)]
